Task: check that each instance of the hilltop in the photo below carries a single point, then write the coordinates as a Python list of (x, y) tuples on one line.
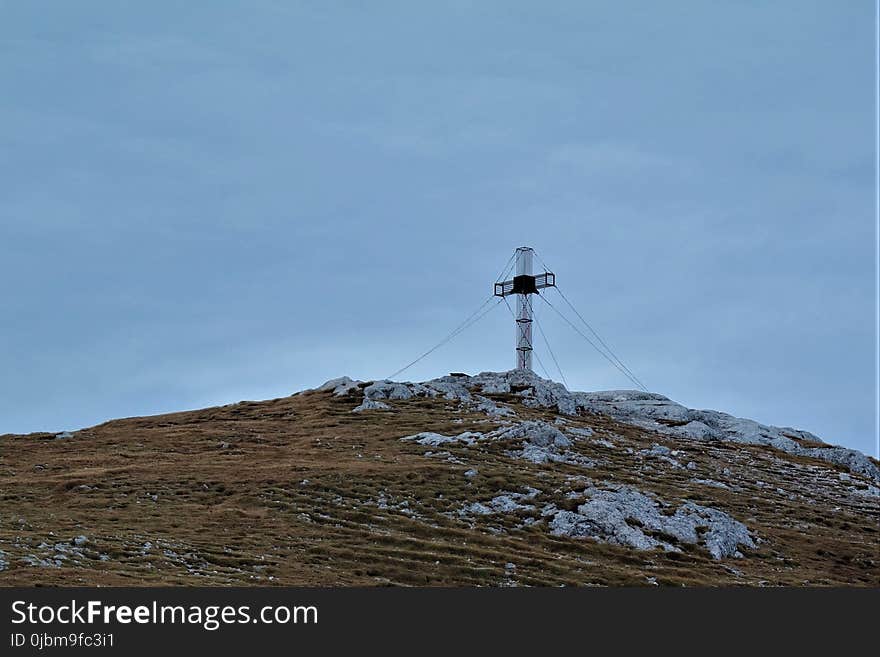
[(495, 479)]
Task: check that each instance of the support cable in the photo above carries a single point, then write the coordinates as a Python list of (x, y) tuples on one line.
[(506, 269), (619, 364), (599, 338), (552, 355), (541, 260), (472, 319), (543, 369), (592, 344)]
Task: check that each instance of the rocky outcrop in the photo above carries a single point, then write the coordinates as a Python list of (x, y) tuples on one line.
[(642, 409), (536, 441), (542, 443), (658, 413), (436, 440), (370, 405), (537, 433), (448, 388), (341, 386), (504, 503), (625, 516)]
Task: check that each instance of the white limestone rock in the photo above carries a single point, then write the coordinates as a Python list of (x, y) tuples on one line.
[(506, 502), (696, 430), (449, 387), (539, 455), (485, 405), (658, 413), (656, 450), (710, 482), (497, 387), (619, 516), (370, 405), (662, 453), (851, 459), (436, 439), (340, 387), (391, 390), (642, 409), (535, 432), (541, 443)]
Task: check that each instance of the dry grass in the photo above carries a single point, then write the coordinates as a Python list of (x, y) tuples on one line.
[(286, 492)]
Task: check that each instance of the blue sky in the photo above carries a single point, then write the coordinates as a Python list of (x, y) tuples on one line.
[(208, 202)]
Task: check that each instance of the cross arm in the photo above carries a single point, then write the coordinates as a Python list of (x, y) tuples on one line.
[(525, 284)]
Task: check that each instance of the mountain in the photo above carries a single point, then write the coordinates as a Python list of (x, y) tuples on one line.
[(498, 479)]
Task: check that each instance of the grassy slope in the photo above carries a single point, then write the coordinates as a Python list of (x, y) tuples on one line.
[(285, 492)]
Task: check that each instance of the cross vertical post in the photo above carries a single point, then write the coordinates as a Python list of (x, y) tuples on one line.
[(523, 312), (524, 284)]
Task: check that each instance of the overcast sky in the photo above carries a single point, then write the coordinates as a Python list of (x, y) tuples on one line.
[(204, 202)]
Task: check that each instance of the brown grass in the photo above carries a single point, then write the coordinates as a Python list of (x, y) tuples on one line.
[(285, 492)]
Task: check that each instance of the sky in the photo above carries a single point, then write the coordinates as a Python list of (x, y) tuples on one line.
[(206, 202)]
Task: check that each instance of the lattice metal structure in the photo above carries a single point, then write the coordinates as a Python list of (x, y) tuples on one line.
[(524, 284)]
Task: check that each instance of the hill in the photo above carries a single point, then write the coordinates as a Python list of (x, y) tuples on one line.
[(496, 479)]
